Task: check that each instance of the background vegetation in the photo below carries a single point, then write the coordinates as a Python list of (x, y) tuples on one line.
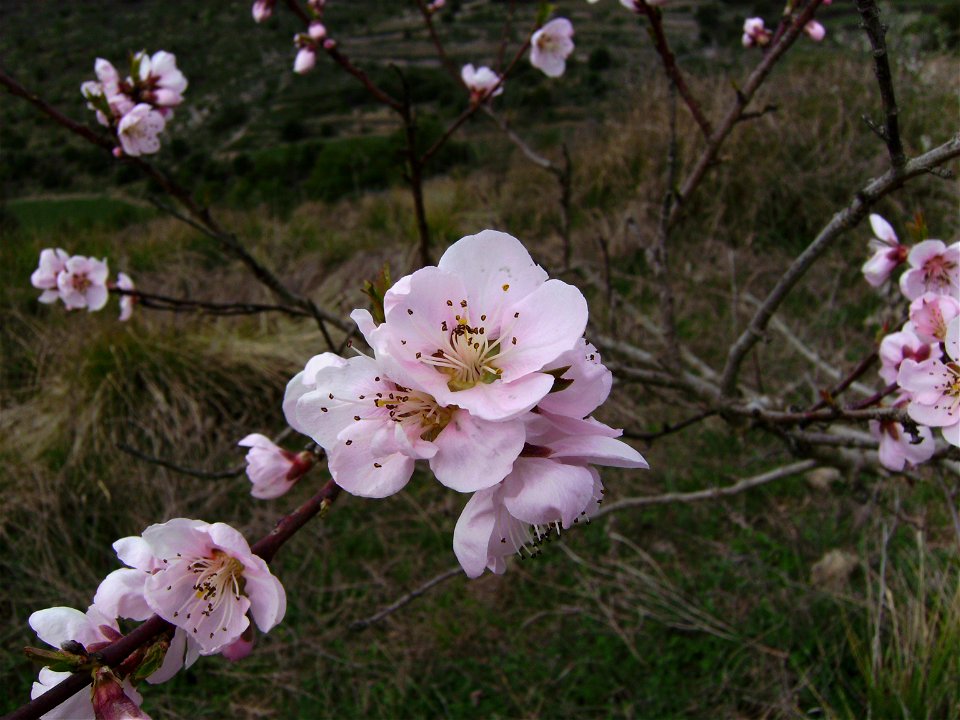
[(763, 605)]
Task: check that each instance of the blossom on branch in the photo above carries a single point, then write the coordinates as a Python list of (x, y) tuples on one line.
[(815, 31), (271, 469), (138, 130), (93, 630), (898, 448), (83, 283), (161, 84), (262, 10), (551, 45), (126, 301), (934, 267), (899, 346), (934, 387), (481, 82), (52, 263), (888, 252), (755, 34), (930, 314)]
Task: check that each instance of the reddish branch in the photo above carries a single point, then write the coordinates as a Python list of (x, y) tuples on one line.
[(114, 654), (655, 16), (828, 396)]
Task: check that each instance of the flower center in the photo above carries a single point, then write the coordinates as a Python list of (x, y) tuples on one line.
[(218, 577), (937, 270), (468, 353), (80, 283), (417, 409)]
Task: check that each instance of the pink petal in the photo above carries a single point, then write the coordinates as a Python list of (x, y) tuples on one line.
[(471, 536), (542, 491), (598, 450), (120, 595), (883, 230), (474, 454)]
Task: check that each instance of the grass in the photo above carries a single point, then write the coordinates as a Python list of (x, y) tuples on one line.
[(681, 611)]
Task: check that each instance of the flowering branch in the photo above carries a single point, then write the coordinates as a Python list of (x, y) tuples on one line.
[(201, 216), (838, 225), (876, 32), (115, 653), (735, 113), (193, 472)]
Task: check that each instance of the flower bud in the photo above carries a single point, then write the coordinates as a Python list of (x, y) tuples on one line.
[(110, 702)]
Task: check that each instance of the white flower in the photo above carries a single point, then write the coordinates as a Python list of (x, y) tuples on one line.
[(138, 130), (550, 47)]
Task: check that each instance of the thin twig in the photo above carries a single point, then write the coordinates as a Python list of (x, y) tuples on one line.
[(876, 32), (655, 16), (193, 472), (153, 301), (669, 429), (406, 599), (710, 493)]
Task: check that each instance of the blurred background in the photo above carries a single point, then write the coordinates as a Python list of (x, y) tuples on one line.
[(757, 606)]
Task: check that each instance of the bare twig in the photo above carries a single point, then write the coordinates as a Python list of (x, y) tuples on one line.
[(838, 225), (669, 429), (406, 599), (193, 472), (173, 304), (710, 493), (655, 16), (876, 32)]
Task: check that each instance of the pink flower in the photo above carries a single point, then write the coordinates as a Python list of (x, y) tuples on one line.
[(889, 253), (477, 330), (815, 31), (930, 315), (93, 630), (262, 10), (208, 581), (126, 301), (83, 283), (551, 45), (934, 267), (373, 430), (897, 448), (161, 81), (898, 346), (755, 34), (480, 82), (138, 130), (122, 594), (305, 61), (271, 469), (551, 486), (52, 263), (935, 388)]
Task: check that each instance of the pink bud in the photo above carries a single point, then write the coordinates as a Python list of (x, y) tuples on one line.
[(329, 44), (305, 61), (317, 31), (110, 702), (815, 31), (262, 10), (118, 152)]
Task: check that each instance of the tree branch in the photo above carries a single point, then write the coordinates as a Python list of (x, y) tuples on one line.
[(838, 225), (406, 599), (876, 32)]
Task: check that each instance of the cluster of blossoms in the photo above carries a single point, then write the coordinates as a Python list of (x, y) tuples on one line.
[(479, 367), (755, 34), (920, 359), (550, 46), (138, 107), (79, 281), (202, 578)]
